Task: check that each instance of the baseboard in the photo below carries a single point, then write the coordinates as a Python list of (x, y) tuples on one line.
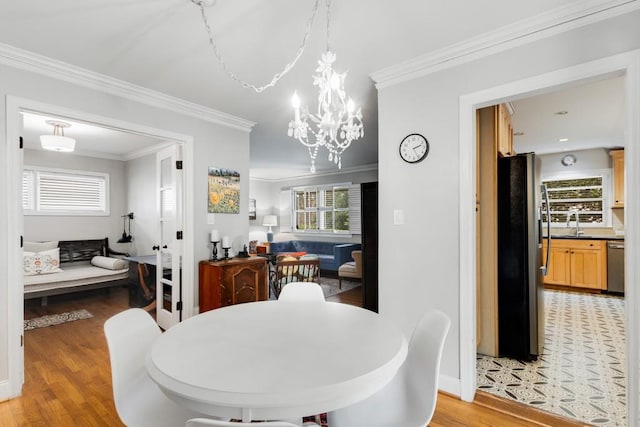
[(449, 385), (5, 391)]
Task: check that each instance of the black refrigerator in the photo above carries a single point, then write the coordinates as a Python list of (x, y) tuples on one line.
[(520, 264)]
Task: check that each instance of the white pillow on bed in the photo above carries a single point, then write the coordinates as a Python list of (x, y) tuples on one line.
[(44, 262), (109, 263), (39, 246)]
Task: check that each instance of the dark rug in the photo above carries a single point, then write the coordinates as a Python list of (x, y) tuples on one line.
[(56, 319)]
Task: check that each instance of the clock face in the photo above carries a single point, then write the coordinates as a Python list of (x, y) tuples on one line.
[(414, 148), (568, 160)]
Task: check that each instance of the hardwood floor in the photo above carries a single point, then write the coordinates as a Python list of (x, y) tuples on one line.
[(68, 378)]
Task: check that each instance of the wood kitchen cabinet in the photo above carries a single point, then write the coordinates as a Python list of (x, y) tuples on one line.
[(617, 161), (234, 281), (504, 131), (578, 263)]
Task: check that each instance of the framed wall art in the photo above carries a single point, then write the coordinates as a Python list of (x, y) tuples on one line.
[(224, 191)]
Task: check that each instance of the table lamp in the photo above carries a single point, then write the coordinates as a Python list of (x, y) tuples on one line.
[(270, 221)]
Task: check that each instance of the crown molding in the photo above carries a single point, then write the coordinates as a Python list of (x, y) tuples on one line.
[(555, 21), (49, 67), (297, 176)]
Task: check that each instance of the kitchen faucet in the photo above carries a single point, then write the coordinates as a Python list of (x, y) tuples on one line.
[(577, 213)]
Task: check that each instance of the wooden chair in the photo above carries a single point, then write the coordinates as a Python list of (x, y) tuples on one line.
[(287, 271)]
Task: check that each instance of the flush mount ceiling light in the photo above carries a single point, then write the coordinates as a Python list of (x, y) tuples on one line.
[(563, 139), (57, 141)]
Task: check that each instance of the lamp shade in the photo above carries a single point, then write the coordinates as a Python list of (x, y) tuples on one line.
[(58, 143), (270, 221)]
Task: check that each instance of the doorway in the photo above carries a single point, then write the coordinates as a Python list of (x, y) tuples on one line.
[(15, 109), (624, 64), (578, 314)]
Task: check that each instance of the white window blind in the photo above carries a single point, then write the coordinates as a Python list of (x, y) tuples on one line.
[(355, 209), (65, 192), (28, 190)]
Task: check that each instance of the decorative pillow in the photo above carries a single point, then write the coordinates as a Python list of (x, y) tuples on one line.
[(39, 246), (44, 262), (109, 263)]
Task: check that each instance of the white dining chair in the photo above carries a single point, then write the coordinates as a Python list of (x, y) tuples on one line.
[(138, 400), (409, 400), (301, 291), (206, 422)]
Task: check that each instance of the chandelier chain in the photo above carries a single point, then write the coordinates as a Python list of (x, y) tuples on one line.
[(277, 76), (328, 25)]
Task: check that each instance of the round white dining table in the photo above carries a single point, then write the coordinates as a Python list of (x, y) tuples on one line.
[(275, 359)]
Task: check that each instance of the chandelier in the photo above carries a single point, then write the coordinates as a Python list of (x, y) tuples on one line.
[(336, 123)]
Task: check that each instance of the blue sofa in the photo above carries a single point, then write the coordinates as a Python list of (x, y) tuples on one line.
[(332, 255)]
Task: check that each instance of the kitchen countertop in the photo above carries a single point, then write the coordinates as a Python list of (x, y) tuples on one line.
[(587, 237)]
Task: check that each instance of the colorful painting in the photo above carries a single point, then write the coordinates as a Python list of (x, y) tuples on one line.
[(224, 191)]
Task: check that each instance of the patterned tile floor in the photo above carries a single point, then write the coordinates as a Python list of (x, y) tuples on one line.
[(581, 374)]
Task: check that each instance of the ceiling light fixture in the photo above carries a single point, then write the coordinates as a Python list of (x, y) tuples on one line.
[(57, 141), (563, 139), (337, 121)]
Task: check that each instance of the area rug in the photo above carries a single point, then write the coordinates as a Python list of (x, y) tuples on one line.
[(56, 319), (330, 286)]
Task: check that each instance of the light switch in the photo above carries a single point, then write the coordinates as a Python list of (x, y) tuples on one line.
[(210, 219), (398, 217)]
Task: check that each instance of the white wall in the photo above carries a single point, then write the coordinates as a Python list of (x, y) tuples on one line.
[(597, 158), (213, 145), (61, 227), (267, 195), (426, 246)]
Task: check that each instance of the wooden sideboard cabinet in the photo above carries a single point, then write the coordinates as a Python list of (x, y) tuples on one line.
[(233, 281)]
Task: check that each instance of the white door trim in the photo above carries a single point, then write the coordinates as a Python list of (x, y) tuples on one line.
[(627, 64), (14, 165)]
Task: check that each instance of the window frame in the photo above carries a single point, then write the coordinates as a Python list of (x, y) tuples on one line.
[(607, 192), (34, 192)]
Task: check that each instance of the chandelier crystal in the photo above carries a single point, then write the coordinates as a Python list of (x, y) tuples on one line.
[(336, 123)]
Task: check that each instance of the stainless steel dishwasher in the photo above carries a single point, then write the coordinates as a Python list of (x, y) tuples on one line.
[(615, 266)]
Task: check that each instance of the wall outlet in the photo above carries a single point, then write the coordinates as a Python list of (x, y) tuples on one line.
[(398, 217)]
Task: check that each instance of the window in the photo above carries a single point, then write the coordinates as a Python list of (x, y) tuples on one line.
[(333, 208), (587, 194), (64, 192)]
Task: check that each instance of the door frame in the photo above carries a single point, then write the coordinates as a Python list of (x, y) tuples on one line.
[(625, 64), (14, 166)]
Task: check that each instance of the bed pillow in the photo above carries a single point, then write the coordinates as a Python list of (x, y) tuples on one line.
[(44, 262), (109, 263), (40, 246)]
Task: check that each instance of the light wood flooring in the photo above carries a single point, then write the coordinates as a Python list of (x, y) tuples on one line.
[(68, 378)]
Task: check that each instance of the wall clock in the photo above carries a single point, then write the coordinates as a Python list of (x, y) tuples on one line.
[(414, 148), (568, 160)]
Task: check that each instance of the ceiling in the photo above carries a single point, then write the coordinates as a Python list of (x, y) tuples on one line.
[(162, 45)]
